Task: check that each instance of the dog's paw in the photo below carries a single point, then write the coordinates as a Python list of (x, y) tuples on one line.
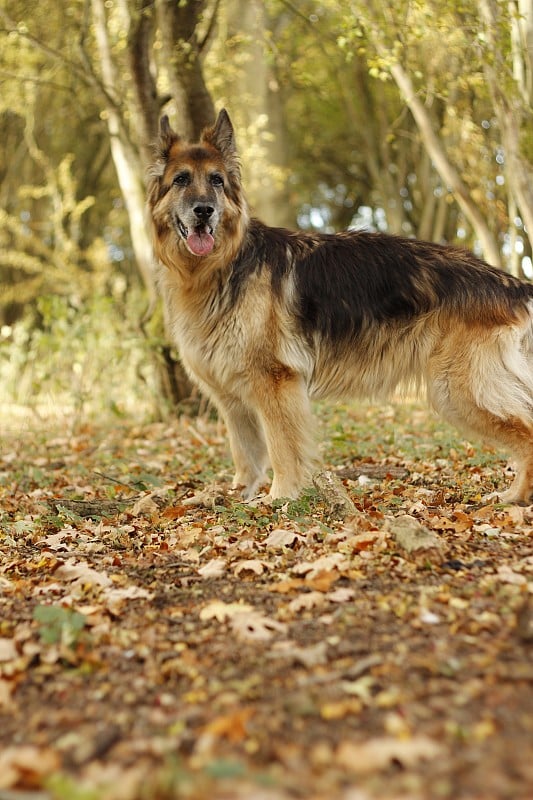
[(248, 490), (284, 491)]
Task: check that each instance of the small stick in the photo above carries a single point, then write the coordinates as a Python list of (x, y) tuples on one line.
[(334, 493)]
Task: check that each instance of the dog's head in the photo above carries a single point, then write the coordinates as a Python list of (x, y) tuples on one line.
[(194, 194)]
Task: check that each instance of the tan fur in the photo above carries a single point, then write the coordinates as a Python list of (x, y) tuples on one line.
[(249, 355)]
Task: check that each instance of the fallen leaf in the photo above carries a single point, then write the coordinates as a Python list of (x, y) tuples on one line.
[(210, 497), (524, 620), (341, 708), (230, 726), (322, 582), (26, 766), (8, 650), (311, 656), (6, 692), (114, 598), (507, 575), (341, 595), (255, 626), (221, 611), (361, 541), (252, 566), (55, 541), (281, 538), (413, 537), (213, 569), (306, 601), (378, 754), (322, 564), (173, 512), (446, 524), (429, 617), (144, 506), (82, 574)]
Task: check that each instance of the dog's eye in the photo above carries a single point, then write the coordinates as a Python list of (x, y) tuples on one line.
[(181, 179), (216, 180)]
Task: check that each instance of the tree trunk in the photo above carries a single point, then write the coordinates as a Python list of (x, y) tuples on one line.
[(140, 44), (182, 61), (444, 167), (127, 162), (130, 164), (258, 111), (512, 103)]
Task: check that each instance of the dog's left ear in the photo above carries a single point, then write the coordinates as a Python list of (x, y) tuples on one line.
[(222, 136), (167, 137)]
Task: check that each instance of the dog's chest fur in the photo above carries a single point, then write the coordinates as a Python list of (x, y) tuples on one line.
[(220, 339)]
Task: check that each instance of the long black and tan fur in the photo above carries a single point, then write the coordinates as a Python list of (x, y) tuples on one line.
[(266, 319)]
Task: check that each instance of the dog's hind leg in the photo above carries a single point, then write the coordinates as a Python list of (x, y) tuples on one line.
[(248, 446), (282, 403), (483, 384), (513, 435), (521, 490)]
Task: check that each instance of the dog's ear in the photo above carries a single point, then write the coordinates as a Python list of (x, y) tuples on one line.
[(167, 137), (222, 136)]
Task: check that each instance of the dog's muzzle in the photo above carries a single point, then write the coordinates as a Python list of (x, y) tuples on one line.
[(199, 237)]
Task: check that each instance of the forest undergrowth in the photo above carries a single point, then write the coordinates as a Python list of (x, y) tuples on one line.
[(160, 639)]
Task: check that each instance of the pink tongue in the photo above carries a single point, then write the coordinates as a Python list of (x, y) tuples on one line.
[(200, 243)]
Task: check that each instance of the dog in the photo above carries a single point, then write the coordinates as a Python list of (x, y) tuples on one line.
[(267, 319)]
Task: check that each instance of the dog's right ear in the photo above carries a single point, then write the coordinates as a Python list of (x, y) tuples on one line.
[(167, 137), (222, 137)]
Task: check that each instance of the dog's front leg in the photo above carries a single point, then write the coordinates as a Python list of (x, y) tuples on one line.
[(283, 407), (248, 447)]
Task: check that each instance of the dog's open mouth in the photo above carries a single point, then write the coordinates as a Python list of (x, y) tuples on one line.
[(200, 240)]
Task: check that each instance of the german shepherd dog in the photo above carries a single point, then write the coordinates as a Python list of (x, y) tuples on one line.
[(266, 319)]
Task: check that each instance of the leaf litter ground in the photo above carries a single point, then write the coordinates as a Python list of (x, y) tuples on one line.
[(159, 639)]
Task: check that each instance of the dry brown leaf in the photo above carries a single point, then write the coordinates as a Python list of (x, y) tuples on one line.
[(279, 538), (255, 626), (361, 541), (221, 611), (26, 766), (115, 598), (447, 524), (174, 512), (290, 585), (341, 595), (6, 692), (323, 564), (377, 754), (341, 708), (311, 656), (8, 650), (507, 575), (306, 601), (413, 537), (144, 506), (213, 569), (252, 566), (81, 574), (230, 726)]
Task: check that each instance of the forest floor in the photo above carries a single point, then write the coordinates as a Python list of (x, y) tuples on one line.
[(161, 641)]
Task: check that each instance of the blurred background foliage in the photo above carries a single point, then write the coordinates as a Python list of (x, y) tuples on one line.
[(412, 116)]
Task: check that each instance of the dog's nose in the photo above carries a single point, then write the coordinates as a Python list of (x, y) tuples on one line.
[(203, 211)]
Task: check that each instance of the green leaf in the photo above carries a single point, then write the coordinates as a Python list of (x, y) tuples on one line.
[(59, 624)]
